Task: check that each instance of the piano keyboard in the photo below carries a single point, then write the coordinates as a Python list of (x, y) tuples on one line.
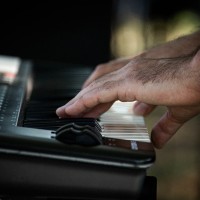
[(29, 96), (120, 122), (36, 108)]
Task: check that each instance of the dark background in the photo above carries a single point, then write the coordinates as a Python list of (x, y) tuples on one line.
[(77, 31)]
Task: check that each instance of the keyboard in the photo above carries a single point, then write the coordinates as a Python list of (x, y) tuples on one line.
[(36, 157)]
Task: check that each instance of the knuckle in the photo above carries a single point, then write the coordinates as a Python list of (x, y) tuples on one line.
[(100, 67), (109, 85), (85, 103)]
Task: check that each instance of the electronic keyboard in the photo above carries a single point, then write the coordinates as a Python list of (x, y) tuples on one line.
[(73, 158)]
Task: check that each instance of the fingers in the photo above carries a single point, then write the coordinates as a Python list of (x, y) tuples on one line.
[(106, 68), (91, 101), (171, 121), (164, 130), (98, 72), (143, 109), (105, 90), (61, 112), (98, 110)]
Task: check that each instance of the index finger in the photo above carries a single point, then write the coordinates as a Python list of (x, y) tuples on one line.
[(85, 101)]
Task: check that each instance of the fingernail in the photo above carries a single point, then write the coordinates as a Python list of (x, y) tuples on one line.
[(60, 111)]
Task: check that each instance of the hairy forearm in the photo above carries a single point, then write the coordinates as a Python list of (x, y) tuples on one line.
[(181, 46)]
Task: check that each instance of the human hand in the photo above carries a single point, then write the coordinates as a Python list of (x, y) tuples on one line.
[(173, 82), (169, 123), (106, 68)]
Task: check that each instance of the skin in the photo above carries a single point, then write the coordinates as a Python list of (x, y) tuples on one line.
[(166, 75)]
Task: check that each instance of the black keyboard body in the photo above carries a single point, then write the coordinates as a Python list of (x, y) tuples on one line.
[(34, 163)]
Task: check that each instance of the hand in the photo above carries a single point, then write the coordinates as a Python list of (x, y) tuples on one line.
[(106, 68), (173, 82), (169, 123)]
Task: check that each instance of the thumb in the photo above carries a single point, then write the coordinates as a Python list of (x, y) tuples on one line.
[(165, 128), (170, 122)]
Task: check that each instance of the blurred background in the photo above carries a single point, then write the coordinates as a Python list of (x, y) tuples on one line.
[(91, 32)]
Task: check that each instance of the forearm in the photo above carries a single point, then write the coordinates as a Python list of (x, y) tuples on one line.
[(179, 47)]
